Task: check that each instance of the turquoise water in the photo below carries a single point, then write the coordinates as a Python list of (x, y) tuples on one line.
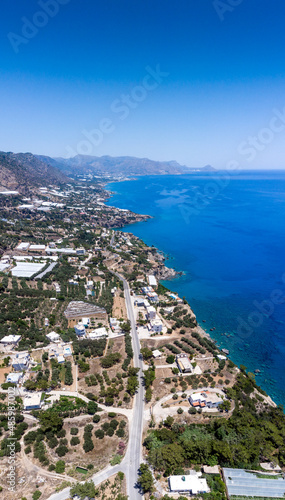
[(227, 236)]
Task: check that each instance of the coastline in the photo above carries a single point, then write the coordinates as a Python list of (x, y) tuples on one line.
[(177, 275)]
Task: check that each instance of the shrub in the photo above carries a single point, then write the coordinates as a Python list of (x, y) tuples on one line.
[(120, 432), (170, 359), (74, 431), (60, 467), (37, 495), (61, 450), (53, 442), (74, 441), (96, 419), (99, 434)]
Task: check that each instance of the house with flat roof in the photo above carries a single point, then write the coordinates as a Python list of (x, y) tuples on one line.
[(79, 329), (21, 361), (156, 325), (151, 312), (33, 401), (156, 354), (11, 339), (14, 378), (205, 399), (183, 363), (53, 337), (98, 333), (191, 484), (152, 280)]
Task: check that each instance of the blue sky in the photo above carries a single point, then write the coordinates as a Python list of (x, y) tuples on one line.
[(197, 81)]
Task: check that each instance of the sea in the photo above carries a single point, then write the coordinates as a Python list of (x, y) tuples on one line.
[(225, 232)]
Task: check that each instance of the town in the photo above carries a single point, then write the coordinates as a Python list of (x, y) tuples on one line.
[(118, 392)]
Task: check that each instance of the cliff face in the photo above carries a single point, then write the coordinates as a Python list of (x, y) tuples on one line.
[(24, 171)]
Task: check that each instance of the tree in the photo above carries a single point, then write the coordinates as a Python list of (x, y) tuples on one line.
[(92, 407), (61, 450), (74, 441), (170, 359), (146, 353), (83, 490), (99, 434), (37, 494), (168, 422), (50, 421), (60, 467), (145, 480)]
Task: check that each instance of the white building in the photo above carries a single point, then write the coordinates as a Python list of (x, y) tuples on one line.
[(183, 363), (191, 484), (151, 312), (21, 361), (14, 378), (156, 354), (33, 401), (152, 280), (11, 339), (156, 325), (53, 337), (23, 247), (37, 248), (79, 329), (97, 333), (205, 399)]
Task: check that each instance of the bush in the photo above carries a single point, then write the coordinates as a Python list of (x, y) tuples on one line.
[(110, 432), (167, 380), (99, 434), (61, 433), (74, 431), (114, 424), (61, 450), (53, 442), (96, 419), (74, 441), (92, 407), (112, 414), (170, 359), (60, 467), (37, 495)]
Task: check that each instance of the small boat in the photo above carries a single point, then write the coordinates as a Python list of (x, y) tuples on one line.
[(225, 351)]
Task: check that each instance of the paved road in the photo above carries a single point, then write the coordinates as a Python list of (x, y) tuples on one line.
[(133, 456), (131, 462)]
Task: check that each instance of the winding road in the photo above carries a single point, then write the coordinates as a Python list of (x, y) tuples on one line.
[(133, 457)]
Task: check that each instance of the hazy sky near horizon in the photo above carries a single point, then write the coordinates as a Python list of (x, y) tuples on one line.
[(197, 81)]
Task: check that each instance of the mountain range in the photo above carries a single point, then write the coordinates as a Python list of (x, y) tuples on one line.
[(23, 171)]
